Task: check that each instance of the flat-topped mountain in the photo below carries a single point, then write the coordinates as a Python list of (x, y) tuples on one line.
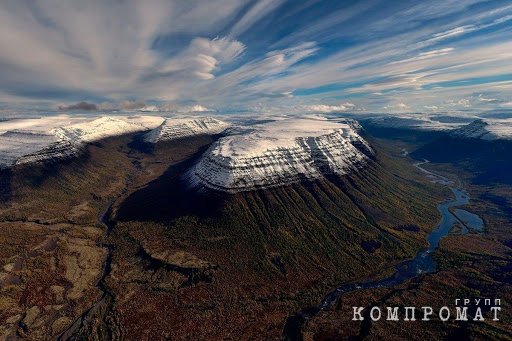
[(281, 152)]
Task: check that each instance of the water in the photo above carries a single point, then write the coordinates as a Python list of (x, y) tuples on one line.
[(422, 263), (470, 222)]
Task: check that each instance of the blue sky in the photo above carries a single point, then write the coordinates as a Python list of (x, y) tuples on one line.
[(259, 55)]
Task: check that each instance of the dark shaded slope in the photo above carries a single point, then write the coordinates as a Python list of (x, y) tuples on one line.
[(169, 197), (489, 161), (411, 135)]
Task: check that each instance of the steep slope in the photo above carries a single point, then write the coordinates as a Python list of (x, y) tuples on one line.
[(53, 220), (281, 152), (273, 248), (475, 130)]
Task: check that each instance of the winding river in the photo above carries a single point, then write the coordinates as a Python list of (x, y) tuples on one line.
[(422, 263)]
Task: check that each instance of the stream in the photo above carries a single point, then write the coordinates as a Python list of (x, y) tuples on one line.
[(422, 263)]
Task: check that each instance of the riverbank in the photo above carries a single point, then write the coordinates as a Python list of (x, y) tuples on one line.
[(422, 263)]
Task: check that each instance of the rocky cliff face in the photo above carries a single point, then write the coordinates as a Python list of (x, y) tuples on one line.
[(280, 153)]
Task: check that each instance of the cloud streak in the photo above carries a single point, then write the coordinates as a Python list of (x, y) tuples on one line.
[(240, 54)]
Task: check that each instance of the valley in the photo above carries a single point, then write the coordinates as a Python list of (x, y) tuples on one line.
[(310, 170), (183, 257), (469, 264)]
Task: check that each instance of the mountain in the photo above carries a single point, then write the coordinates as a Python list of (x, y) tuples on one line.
[(269, 248), (14, 144), (177, 128), (281, 152), (26, 146), (414, 129), (420, 122), (483, 147), (475, 130), (485, 130), (116, 238)]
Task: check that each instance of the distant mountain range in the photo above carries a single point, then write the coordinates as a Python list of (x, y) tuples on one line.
[(484, 146)]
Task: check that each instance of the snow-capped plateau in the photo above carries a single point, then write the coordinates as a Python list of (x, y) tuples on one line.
[(176, 128), (58, 137), (281, 152), (486, 130)]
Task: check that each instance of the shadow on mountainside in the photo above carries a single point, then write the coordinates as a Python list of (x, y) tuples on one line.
[(170, 196)]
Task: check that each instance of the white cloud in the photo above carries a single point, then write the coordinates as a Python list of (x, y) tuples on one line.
[(431, 107), (255, 13), (426, 55), (397, 106), (105, 47), (194, 108), (453, 32), (204, 56), (166, 51), (482, 98), (461, 103), (324, 108)]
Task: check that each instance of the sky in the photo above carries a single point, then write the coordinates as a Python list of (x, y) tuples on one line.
[(258, 55)]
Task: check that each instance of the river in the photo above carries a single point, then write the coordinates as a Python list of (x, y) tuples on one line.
[(422, 263)]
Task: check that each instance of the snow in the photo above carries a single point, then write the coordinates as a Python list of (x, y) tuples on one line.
[(149, 108), (175, 128), (97, 129), (40, 124), (59, 136), (281, 152), (457, 124), (15, 144), (489, 129), (278, 134), (419, 122), (248, 156)]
